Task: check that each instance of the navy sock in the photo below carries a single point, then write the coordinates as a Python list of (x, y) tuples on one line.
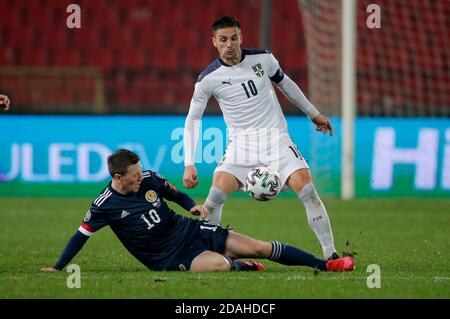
[(291, 256)]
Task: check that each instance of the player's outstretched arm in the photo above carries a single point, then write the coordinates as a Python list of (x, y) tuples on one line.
[(293, 93), (4, 102), (296, 97), (171, 193), (72, 248), (190, 177), (323, 124), (199, 210), (191, 133)]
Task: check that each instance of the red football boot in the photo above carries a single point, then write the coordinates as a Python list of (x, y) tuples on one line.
[(346, 263), (249, 265)]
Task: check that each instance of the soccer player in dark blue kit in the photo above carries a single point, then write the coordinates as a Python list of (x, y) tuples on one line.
[(133, 205)]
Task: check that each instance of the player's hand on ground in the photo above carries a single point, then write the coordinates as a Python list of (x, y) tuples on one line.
[(323, 124), (49, 269), (4, 102), (190, 178), (199, 210)]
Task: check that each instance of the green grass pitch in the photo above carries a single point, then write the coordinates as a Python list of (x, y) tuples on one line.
[(409, 239)]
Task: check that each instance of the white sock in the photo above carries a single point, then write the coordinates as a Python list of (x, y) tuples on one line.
[(214, 204), (318, 218)]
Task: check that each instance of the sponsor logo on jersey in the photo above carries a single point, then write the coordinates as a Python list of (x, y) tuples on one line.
[(87, 216), (227, 82), (124, 214), (259, 71), (151, 196)]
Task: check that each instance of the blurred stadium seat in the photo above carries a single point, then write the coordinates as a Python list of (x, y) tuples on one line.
[(157, 43)]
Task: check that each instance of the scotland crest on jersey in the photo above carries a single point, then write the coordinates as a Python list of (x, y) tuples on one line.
[(152, 197), (259, 71)]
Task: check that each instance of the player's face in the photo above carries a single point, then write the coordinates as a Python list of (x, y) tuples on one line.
[(131, 181), (228, 42)]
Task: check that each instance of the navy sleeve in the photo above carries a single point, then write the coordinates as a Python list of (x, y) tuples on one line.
[(72, 248), (171, 193), (183, 199), (278, 76)]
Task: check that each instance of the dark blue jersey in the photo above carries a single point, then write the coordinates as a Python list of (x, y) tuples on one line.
[(146, 226)]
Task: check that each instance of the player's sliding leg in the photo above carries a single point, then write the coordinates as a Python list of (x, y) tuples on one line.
[(212, 261), (244, 246), (301, 182), (292, 256), (223, 185)]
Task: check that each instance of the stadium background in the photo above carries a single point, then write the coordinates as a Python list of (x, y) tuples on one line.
[(142, 58), (125, 80)]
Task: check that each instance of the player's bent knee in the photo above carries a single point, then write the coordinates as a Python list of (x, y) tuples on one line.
[(209, 261), (299, 179), (225, 182)]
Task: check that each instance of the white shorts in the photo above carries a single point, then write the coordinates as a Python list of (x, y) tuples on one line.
[(241, 157)]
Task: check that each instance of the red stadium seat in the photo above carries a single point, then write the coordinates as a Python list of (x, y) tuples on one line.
[(84, 37), (198, 60), (17, 36), (7, 56), (115, 37), (51, 37), (166, 59), (169, 42), (294, 60), (66, 57), (131, 58), (127, 97), (102, 58), (36, 56)]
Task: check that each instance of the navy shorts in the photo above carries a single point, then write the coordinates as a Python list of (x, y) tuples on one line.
[(208, 237)]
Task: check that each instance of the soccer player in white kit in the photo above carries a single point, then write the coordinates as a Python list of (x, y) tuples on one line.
[(241, 81)]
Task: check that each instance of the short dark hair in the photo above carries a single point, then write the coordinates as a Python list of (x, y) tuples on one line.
[(119, 161), (226, 22)]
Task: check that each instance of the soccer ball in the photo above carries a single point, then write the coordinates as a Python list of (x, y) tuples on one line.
[(262, 183)]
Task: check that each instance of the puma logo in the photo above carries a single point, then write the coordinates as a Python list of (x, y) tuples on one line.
[(227, 82)]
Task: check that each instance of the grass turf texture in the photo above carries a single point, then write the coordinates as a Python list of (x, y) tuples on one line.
[(409, 239)]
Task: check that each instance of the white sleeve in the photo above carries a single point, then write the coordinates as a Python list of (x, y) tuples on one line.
[(193, 122), (296, 96), (273, 66)]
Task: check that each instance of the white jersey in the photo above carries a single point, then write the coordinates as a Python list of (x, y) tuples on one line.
[(246, 97), (244, 91)]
